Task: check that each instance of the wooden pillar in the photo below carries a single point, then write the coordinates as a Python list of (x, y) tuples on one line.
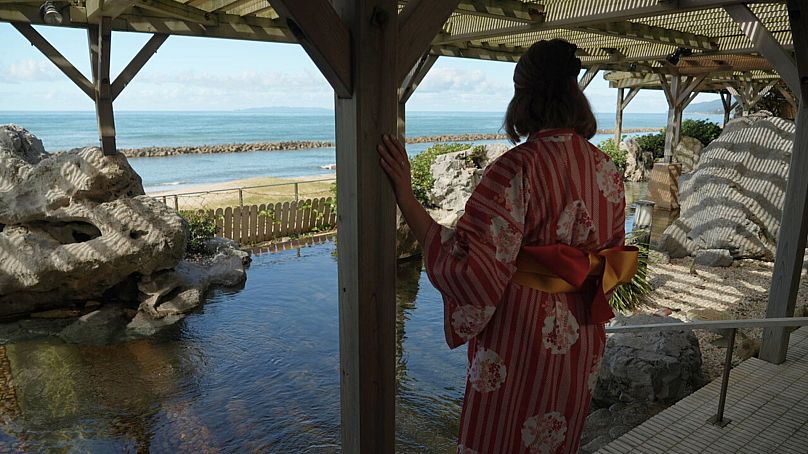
[(679, 92), (794, 227), (729, 106), (365, 49), (622, 103), (366, 233), (103, 85), (618, 117)]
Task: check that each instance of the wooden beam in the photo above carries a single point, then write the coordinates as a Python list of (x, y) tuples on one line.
[(415, 76), (366, 233), (324, 37), (788, 96), (419, 23), (589, 74), (176, 10), (55, 57), (500, 53), (110, 8), (651, 34), (411, 82), (793, 228), (509, 9), (766, 44), (134, 66), (103, 97), (487, 34), (726, 101)]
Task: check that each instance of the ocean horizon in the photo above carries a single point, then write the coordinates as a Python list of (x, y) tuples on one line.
[(138, 129)]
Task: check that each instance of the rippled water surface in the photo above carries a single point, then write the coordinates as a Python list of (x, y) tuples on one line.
[(254, 370)]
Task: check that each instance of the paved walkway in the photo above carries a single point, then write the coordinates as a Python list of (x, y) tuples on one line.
[(767, 406)]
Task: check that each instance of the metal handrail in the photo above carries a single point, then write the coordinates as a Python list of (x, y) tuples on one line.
[(250, 187), (731, 325)]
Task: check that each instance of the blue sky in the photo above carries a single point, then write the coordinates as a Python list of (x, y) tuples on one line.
[(217, 74)]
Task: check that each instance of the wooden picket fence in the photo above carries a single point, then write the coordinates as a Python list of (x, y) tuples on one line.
[(254, 224)]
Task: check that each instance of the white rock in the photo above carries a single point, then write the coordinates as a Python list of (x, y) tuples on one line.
[(733, 198), (687, 153)]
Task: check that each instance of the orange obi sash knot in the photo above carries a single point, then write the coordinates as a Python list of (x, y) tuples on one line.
[(560, 268)]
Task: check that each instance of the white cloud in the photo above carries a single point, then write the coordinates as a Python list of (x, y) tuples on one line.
[(29, 71), (456, 81), (245, 81)]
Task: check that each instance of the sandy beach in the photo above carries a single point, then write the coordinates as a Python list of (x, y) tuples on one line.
[(254, 191)]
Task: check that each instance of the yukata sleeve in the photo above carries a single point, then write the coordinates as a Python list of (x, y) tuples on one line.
[(472, 264)]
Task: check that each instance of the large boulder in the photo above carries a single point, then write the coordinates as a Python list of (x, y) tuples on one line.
[(75, 224), (687, 153), (653, 366), (636, 166), (455, 177), (733, 198)]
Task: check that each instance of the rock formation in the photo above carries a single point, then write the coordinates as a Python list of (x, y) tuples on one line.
[(650, 367), (636, 166), (75, 224), (687, 153), (455, 177), (732, 201)]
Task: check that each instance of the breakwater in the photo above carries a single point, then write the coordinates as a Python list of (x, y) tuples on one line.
[(310, 144)]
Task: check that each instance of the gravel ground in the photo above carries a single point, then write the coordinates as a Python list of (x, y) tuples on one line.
[(705, 293)]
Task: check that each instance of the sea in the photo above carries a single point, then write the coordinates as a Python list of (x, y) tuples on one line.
[(66, 130)]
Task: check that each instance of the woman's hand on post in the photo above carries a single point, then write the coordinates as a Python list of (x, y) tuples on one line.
[(396, 164)]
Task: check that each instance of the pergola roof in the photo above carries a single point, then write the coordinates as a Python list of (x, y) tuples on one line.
[(611, 34)]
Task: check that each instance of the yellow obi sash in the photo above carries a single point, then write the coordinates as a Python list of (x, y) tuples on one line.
[(560, 268)]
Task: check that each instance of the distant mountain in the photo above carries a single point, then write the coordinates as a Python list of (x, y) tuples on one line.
[(290, 110), (709, 107)]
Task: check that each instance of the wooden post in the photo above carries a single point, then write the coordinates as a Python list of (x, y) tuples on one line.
[(679, 92), (623, 100), (366, 233), (618, 117), (794, 226), (726, 101), (103, 88), (674, 118)]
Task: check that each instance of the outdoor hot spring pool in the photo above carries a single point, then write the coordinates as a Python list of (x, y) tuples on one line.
[(254, 370)]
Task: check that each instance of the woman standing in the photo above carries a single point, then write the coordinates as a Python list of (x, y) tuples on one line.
[(524, 274)]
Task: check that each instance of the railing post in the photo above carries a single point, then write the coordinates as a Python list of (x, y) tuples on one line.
[(297, 193), (718, 419), (241, 198), (176, 202)]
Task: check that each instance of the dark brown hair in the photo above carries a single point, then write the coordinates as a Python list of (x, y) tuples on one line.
[(546, 93)]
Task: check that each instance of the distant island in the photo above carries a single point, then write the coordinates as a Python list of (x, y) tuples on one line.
[(709, 107), (289, 110)]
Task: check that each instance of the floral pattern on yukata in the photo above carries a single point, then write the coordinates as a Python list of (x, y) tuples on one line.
[(487, 372), (609, 179), (469, 320), (575, 226), (560, 330), (543, 434), (506, 240), (594, 372)]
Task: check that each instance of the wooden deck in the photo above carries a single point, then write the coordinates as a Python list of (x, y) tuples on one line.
[(767, 406)]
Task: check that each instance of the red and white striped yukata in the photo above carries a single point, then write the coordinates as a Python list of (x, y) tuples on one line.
[(533, 356)]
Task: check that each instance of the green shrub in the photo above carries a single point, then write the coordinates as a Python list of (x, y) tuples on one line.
[(201, 228), (654, 143), (614, 152), (703, 130), (421, 165)]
